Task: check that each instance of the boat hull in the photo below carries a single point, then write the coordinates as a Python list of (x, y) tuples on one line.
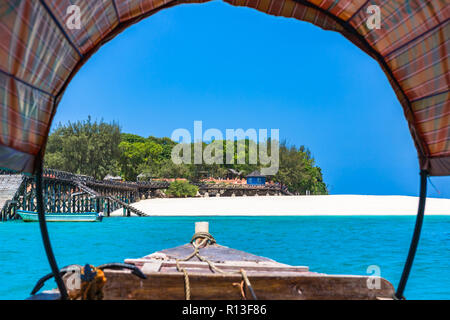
[(122, 285), (269, 279), (30, 216)]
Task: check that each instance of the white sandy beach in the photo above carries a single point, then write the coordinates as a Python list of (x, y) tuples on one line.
[(345, 205)]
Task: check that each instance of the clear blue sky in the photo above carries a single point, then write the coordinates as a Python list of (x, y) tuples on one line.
[(238, 68)]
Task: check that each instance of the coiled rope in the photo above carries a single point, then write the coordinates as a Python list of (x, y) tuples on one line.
[(203, 235), (206, 239)]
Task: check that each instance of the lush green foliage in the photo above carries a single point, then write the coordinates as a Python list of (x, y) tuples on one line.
[(98, 149), (182, 188), (85, 147), (298, 172)]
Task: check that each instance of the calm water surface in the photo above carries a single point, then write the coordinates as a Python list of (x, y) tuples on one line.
[(335, 245)]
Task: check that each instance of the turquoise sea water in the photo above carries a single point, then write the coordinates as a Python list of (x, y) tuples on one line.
[(334, 245)]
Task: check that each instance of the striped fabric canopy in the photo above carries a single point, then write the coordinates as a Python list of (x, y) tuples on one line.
[(41, 51)]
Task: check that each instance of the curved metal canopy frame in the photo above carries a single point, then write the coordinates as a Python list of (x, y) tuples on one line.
[(411, 47)]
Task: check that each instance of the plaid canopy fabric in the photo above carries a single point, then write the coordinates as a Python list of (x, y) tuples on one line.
[(40, 52)]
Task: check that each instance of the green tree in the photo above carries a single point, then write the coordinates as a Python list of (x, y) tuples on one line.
[(182, 189), (84, 147), (298, 171), (168, 169), (138, 156)]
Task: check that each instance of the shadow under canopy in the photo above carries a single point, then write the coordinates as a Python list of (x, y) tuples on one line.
[(40, 54)]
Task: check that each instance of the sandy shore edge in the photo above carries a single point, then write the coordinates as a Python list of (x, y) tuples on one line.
[(342, 205)]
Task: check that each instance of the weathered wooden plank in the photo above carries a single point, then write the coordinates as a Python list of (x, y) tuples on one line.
[(155, 266), (124, 285), (226, 266), (214, 253)]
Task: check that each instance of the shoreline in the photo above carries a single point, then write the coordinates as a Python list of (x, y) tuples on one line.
[(320, 205)]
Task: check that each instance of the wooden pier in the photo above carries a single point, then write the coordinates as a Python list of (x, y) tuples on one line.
[(65, 192)]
